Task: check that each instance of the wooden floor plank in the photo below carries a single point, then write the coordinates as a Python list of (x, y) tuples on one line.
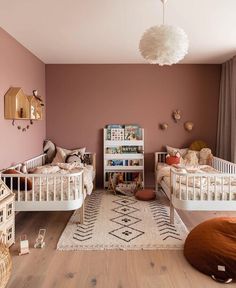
[(49, 268)]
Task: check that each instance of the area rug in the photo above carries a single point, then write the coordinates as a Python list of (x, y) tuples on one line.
[(122, 222)]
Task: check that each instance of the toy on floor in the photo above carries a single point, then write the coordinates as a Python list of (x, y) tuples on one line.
[(39, 243), (24, 245)]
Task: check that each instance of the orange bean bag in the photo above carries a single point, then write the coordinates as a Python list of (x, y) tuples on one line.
[(211, 248)]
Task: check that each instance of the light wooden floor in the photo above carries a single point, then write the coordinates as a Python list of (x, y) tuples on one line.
[(49, 268)]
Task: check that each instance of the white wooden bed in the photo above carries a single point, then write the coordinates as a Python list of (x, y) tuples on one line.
[(214, 191), (50, 192)]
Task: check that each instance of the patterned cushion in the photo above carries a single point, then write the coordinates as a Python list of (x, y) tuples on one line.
[(172, 151), (62, 154), (145, 195), (210, 248)]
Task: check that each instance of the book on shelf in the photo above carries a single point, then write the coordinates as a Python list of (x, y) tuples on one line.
[(131, 149), (133, 132), (114, 126), (114, 150), (115, 162), (133, 162), (115, 132)]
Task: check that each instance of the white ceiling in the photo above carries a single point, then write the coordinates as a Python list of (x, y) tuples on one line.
[(108, 31)]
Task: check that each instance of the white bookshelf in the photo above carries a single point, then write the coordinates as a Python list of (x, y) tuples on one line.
[(125, 158)]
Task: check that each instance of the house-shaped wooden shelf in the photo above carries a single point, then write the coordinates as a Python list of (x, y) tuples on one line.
[(20, 106)]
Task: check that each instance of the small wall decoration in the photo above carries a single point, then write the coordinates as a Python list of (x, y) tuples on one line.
[(163, 126), (188, 126), (176, 115)]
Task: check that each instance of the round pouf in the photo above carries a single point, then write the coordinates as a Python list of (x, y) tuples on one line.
[(5, 265), (145, 195), (211, 248)]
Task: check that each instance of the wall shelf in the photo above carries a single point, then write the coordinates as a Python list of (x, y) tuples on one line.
[(19, 106)]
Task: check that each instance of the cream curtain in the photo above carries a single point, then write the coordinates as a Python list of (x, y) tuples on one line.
[(226, 133)]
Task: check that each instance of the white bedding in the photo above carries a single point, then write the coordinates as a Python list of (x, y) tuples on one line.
[(207, 194), (51, 190), (205, 188)]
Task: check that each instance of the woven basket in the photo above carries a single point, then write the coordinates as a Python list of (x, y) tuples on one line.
[(5, 265)]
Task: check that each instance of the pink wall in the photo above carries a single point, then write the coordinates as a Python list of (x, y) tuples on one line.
[(82, 99), (19, 68)]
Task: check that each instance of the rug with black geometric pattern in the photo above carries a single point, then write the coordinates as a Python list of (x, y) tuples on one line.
[(122, 222)]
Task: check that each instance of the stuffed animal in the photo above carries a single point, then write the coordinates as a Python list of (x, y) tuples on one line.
[(173, 159), (191, 158), (205, 156), (119, 178)]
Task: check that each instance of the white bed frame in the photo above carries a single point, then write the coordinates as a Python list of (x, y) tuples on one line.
[(226, 170), (70, 203)]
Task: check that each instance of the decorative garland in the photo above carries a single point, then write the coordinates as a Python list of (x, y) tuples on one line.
[(19, 127)]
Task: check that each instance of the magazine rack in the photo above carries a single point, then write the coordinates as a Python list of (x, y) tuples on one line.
[(123, 155)]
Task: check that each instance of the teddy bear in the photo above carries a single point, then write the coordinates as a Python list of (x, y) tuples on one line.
[(205, 156), (190, 158)]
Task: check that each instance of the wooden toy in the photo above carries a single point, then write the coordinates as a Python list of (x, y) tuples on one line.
[(39, 243), (24, 245)]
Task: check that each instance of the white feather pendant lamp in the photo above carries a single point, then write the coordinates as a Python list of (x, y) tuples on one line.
[(164, 44)]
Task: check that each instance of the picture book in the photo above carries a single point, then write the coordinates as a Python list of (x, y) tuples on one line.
[(115, 163), (113, 150), (133, 132), (131, 149)]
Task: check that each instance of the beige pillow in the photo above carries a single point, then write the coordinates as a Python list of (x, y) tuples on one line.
[(62, 153), (172, 151)]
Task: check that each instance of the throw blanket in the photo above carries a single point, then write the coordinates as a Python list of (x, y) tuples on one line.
[(66, 168), (163, 170)]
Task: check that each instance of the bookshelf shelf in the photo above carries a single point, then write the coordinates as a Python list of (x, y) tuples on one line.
[(124, 156), (117, 160)]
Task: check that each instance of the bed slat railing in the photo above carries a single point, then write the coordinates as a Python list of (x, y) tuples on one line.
[(207, 186), (223, 166), (44, 185), (160, 157)]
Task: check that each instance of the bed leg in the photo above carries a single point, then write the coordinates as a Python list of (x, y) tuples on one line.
[(172, 209), (81, 214), (172, 213)]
